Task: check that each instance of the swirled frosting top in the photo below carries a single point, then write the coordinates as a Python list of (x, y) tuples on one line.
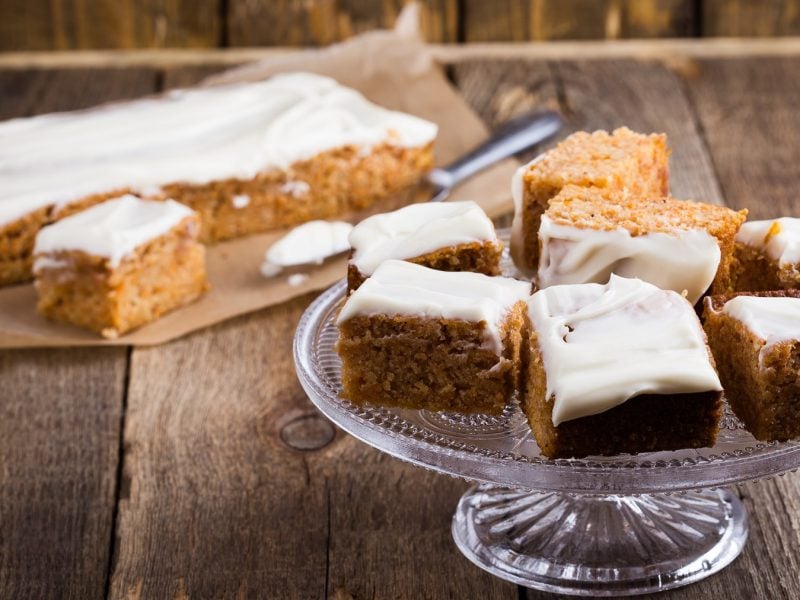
[(402, 288), (111, 229), (416, 230), (193, 135), (778, 238), (604, 344), (680, 260)]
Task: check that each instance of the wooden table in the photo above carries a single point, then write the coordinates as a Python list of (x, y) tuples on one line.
[(198, 469)]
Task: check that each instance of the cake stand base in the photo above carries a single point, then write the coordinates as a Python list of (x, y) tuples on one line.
[(599, 545)]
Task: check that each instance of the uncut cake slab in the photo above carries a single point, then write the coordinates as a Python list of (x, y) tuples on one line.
[(232, 265)]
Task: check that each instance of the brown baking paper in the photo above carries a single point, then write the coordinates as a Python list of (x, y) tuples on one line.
[(391, 68)]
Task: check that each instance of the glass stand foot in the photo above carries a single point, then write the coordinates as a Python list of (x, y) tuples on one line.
[(599, 545)]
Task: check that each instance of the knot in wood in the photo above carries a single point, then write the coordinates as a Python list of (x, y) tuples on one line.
[(307, 432)]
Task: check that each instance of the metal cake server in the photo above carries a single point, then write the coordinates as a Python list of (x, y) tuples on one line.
[(517, 135)]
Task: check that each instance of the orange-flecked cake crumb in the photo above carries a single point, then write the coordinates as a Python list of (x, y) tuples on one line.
[(413, 337), (755, 338), (119, 265), (619, 162)]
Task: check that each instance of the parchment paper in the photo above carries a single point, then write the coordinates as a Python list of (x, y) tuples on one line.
[(392, 68)]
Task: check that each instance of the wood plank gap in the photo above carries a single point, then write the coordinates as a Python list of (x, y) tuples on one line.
[(697, 19), (224, 19), (461, 22), (113, 542), (328, 538)]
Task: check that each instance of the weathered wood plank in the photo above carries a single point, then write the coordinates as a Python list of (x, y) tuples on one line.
[(26, 93), (319, 22), (522, 20), (214, 502), (735, 18), (75, 25), (748, 111), (177, 77), (60, 410), (390, 533), (59, 442)]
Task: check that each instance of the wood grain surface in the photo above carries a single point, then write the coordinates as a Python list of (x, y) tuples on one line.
[(198, 468), (80, 24), (76, 24), (522, 20)]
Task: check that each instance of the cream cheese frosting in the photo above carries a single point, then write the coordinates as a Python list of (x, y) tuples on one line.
[(402, 288), (774, 320), (416, 230), (112, 229), (309, 243), (604, 344), (192, 136), (778, 238), (683, 260)]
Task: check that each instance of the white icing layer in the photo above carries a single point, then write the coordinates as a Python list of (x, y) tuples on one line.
[(416, 230), (684, 260), (774, 320), (402, 288), (604, 344), (112, 229), (778, 238), (309, 243), (195, 136)]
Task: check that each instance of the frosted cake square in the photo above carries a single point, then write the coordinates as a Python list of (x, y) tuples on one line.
[(675, 244), (119, 264), (755, 339), (413, 337), (618, 368), (446, 236), (246, 157), (767, 255), (619, 162)]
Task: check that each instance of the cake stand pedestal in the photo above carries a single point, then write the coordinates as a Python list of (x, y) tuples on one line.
[(601, 526), (599, 545)]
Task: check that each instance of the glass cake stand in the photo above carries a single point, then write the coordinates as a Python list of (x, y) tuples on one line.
[(603, 526)]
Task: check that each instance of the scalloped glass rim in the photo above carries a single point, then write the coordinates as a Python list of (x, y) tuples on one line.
[(502, 451)]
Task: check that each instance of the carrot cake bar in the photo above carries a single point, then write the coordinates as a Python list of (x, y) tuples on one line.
[(618, 162), (447, 236), (618, 368), (755, 339), (119, 264), (413, 337), (767, 255), (675, 244), (247, 157)]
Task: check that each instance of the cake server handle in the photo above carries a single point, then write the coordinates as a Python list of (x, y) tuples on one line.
[(517, 135)]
